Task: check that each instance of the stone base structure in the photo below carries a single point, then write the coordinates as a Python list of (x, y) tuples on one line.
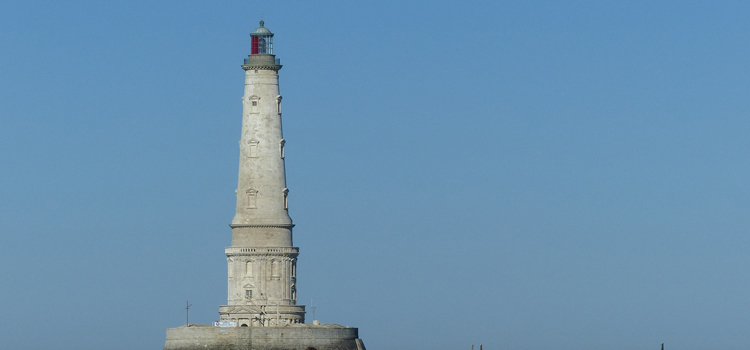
[(292, 337)]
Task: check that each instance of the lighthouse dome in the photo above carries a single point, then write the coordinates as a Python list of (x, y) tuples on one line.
[(261, 31)]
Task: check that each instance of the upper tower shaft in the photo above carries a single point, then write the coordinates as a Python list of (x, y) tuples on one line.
[(261, 217)]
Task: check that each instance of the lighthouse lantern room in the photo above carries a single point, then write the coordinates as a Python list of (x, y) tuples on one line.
[(262, 41)]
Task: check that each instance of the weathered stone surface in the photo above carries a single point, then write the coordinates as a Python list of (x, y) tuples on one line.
[(294, 337), (262, 261)]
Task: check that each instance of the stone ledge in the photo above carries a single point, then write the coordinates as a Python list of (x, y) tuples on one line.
[(289, 226), (292, 337), (292, 251)]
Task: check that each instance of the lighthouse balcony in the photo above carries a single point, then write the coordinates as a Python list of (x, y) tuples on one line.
[(262, 61), (289, 251)]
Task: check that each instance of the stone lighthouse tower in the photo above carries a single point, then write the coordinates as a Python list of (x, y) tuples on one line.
[(262, 310), (262, 261)]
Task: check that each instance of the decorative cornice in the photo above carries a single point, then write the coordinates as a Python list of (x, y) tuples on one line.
[(274, 67), (262, 225), (288, 251), (285, 310)]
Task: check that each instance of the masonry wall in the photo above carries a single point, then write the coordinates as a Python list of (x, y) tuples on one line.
[(301, 337)]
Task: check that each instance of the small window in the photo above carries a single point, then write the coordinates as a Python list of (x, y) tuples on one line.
[(254, 104), (253, 148), (252, 196), (249, 294)]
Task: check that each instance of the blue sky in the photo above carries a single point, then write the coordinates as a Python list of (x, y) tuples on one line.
[(522, 174)]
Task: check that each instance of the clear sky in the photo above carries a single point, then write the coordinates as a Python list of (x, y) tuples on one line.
[(522, 174)]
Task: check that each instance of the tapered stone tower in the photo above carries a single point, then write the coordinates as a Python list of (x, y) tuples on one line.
[(262, 310), (262, 260)]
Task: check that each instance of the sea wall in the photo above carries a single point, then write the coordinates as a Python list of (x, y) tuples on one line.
[(297, 337)]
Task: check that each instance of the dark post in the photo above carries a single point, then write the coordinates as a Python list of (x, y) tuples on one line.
[(187, 313), (313, 309)]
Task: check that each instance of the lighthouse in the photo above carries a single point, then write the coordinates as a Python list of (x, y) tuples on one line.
[(261, 310), (262, 261)]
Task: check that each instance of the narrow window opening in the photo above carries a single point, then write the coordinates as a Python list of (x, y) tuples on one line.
[(254, 104), (252, 149), (252, 198), (286, 198)]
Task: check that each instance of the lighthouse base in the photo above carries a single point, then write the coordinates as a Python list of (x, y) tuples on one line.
[(292, 337)]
